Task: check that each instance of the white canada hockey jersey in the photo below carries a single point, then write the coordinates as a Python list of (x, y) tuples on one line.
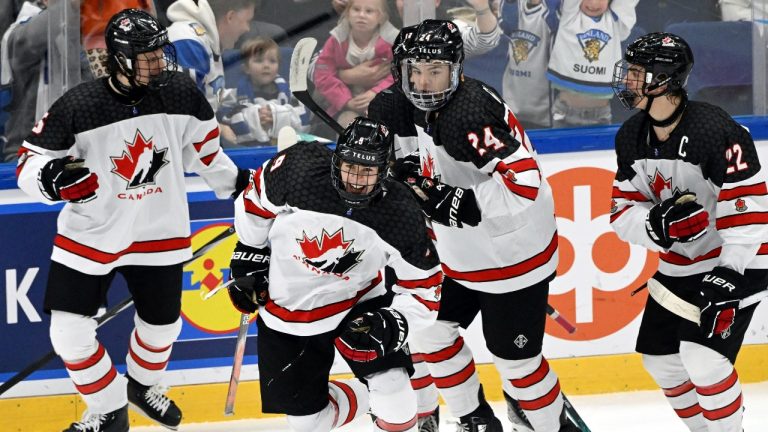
[(710, 155), (140, 154), (326, 258), (476, 142), (586, 49)]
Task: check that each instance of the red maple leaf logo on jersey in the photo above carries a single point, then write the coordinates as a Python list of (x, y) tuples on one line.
[(331, 253), (139, 162), (658, 183), (428, 166), (741, 205)]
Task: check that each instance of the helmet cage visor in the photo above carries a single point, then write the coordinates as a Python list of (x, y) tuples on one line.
[(430, 99), (145, 63), (358, 175)]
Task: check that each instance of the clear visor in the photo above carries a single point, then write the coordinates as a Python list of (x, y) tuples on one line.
[(429, 83)]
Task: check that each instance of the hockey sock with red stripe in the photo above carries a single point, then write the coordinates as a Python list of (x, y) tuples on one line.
[(150, 350), (536, 387)]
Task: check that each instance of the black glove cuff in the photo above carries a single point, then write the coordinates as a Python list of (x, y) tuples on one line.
[(728, 283), (241, 182), (246, 259)]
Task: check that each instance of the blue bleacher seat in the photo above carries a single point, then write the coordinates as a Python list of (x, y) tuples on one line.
[(722, 68)]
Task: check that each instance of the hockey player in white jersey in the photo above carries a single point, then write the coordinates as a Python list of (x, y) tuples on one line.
[(690, 185), (493, 219), (316, 229), (116, 150)]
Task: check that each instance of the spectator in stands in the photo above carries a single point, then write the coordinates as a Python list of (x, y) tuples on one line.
[(299, 18), (587, 45), (265, 104), (200, 30), (24, 61), (363, 34), (529, 27), (742, 10)]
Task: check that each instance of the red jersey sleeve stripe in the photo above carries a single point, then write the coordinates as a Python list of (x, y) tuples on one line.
[(742, 191), (151, 246), (435, 279), (518, 166), (677, 259), (211, 135), (206, 160), (431, 305), (521, 190), (508, 272), (254, 209), (257, 180), (629, 195), (322, 312), (741, 220)]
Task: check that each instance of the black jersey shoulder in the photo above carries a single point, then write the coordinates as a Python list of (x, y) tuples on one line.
[(474, 107), (92, 104), (300, 176), (391, 107)]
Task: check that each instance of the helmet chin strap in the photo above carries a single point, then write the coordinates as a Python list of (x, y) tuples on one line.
[(672, 117), (133, 92)]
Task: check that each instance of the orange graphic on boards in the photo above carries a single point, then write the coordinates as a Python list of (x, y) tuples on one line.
[(597, 271), (215, 315)]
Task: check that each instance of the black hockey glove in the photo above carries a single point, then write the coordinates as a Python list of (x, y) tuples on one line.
[(677, 219), (67, 179), (242, 181), (373, 335), (250, 268), (721, 291), (405, 168), (446, 205)]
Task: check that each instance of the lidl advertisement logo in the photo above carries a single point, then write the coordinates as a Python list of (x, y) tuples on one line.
[(215, 315), (597, 271)]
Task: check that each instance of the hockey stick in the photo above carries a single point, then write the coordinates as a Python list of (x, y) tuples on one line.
[(574, 415), (299, 74), (555, 315), (108, 315), (234, 379), (669, 301)]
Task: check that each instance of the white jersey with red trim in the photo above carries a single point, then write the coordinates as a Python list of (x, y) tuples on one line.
[(476, 142), (711, 155), (140, 153), (326, 257)]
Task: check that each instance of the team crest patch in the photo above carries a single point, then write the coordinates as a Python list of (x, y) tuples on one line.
[(741, 205), (592, 43), (331, 253), (523, 43), (520, 341), (140, 162), (199, 30), (125, 25)]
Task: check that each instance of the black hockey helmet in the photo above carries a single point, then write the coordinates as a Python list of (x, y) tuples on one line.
[(131, 32), (400, 49), (364, 143), (435, 41), (666, 59)]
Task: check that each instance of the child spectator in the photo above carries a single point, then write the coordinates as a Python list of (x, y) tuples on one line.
[(364, 33), (529, 27), (265, 104), (587, 45)]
